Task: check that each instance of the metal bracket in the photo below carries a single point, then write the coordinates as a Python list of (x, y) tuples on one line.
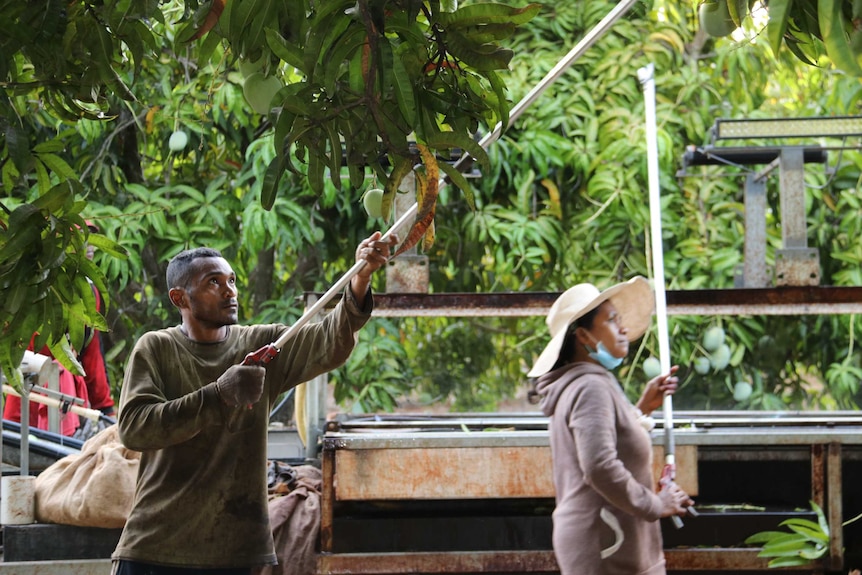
[(797, 267), (407, 274)]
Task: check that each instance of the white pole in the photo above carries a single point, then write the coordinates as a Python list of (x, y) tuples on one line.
[(91, 414), (647, 79), (645, 75)]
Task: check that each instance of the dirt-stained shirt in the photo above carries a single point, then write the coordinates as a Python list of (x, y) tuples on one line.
[(201, 499)]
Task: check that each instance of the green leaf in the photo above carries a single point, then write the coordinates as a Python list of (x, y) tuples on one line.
[(779, 15), (821, 517), (451, 140), (269, 189), (403, 89), (63, 352), (499, 89), (832, 30), (484, 56), (807, 529), (347, 45), (57, 165), (490, 13), (107, 245), (287, 51), (788, 562), (356, 72), (241, 14), (254, 37), (459, 180), (327, 27), (335, 155), (18, 146), (316, 168), (738, 10)]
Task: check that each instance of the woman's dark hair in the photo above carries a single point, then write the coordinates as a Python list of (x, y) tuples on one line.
[(567, 350)]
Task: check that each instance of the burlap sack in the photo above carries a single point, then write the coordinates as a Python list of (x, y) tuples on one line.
[(93, 488)]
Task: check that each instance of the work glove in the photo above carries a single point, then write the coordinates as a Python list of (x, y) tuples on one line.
[(241, 385)]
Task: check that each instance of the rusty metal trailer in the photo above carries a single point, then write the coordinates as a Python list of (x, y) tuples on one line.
[(474, 493)]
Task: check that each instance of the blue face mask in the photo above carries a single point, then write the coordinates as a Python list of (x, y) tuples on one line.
[(604, 357)]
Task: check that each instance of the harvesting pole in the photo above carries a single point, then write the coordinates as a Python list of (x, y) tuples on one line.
[(647, 79)]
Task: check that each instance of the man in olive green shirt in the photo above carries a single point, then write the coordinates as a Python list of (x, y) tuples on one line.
[(200, 418)]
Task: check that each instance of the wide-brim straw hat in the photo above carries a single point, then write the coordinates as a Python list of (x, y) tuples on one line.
[(634, 301)]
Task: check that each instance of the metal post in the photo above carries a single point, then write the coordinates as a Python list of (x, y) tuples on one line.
[(796, 264), (24, 443), (647, 78), (52, 375), (754, 273)]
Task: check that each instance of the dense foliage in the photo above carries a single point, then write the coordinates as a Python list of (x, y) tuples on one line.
[(561, 199), (566, 201)]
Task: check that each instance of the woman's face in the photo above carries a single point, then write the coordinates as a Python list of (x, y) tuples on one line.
[(608, 329)]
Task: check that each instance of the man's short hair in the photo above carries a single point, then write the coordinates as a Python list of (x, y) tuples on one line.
[(180, 267)]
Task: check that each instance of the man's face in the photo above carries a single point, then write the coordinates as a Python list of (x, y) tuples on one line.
[(211, 294)]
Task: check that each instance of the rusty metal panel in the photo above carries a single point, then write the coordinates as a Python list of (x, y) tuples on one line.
[(418, 437), (65, 567), (708, 559), (454, 473), (467, 473), (520, 304), (438, 562), (785, 300), (818, 471), (686, 466), (768, 436), (834, 506), (327, 500)]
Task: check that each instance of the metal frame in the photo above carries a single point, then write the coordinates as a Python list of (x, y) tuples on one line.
[(819, 439)]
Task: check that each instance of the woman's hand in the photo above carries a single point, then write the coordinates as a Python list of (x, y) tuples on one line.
[(655, 390), (674, 500)]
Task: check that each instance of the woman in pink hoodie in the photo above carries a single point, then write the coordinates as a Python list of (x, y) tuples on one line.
[(607, 507)]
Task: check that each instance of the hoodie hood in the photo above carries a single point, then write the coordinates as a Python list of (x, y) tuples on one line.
[(551, 385)]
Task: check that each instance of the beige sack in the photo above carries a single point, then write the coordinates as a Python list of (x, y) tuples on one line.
[(93, 488)]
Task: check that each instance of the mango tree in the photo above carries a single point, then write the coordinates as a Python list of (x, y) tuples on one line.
[(377, 85)]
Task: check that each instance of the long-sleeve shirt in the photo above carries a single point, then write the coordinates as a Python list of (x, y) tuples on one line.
[(201, 492), (602, 459)]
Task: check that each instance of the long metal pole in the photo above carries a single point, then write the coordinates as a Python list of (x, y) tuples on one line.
[(647, 78), (586, 42)]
